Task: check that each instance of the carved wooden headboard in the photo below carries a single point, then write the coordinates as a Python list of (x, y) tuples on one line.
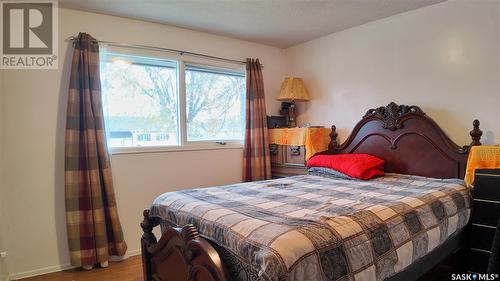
[(408, 140)]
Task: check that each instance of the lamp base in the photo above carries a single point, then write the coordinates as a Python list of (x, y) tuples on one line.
[(291, 117)]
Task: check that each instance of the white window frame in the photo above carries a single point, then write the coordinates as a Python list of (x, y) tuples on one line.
[(184, 144)]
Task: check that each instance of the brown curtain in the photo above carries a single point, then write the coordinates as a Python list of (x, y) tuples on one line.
[(94, 230), (256, 158)]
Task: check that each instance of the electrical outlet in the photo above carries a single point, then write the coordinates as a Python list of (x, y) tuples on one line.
[(3, 255)]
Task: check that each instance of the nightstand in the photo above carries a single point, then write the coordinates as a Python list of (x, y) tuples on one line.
[(484, 219), (287, 160), (291, 147)]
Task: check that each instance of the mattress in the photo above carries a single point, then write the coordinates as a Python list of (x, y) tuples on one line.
[(313, 227)]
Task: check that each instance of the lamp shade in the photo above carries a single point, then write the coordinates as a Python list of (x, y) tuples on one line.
[(293, 89)]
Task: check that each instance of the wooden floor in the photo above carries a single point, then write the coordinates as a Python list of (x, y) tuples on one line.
[(131, 270), (127, 270)]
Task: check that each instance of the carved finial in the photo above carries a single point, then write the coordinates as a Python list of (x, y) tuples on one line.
[(333, 139), (392, 114), (147, 226), (476, 133)]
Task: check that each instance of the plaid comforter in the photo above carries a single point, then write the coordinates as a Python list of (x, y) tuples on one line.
[(322, 228)]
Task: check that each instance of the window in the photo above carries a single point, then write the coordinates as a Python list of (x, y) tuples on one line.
[(140, 98), (215, 104), (145, 107)]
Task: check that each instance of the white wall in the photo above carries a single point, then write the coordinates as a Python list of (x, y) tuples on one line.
[(444, 58), (3, 264), (33, 118)]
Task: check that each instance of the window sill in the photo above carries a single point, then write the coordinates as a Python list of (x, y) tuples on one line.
[(162, 149)]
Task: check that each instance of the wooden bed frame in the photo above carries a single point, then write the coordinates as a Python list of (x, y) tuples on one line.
[(409, 141)]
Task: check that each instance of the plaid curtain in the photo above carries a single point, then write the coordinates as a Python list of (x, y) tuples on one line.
[(94, 230), (256, 157)]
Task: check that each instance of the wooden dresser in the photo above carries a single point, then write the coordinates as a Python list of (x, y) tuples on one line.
[(287, 160), (484, 219)]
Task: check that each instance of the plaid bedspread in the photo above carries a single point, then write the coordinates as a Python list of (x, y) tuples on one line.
[(322, 228)]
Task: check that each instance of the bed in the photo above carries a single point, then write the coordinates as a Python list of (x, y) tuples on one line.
[(318, 227)]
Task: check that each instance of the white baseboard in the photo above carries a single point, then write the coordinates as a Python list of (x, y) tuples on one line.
[(39, 271), (132, 253), (56, 268)]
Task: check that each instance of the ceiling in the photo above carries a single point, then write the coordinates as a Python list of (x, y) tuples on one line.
[(280, 23)]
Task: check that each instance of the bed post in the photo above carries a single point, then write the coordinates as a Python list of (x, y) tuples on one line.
[(334, 145), (147, 240), (476, 133)]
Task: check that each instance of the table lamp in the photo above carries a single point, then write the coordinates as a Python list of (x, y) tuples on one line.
[(292, 90)]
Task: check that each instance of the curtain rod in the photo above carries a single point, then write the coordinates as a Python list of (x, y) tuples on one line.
[(146, 47)]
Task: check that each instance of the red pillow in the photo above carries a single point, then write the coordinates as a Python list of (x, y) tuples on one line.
[(361, 166)]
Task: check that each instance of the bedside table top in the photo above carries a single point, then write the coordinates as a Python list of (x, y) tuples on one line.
[(481, 157)]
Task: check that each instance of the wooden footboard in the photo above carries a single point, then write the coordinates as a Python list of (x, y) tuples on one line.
[(180, 254)]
